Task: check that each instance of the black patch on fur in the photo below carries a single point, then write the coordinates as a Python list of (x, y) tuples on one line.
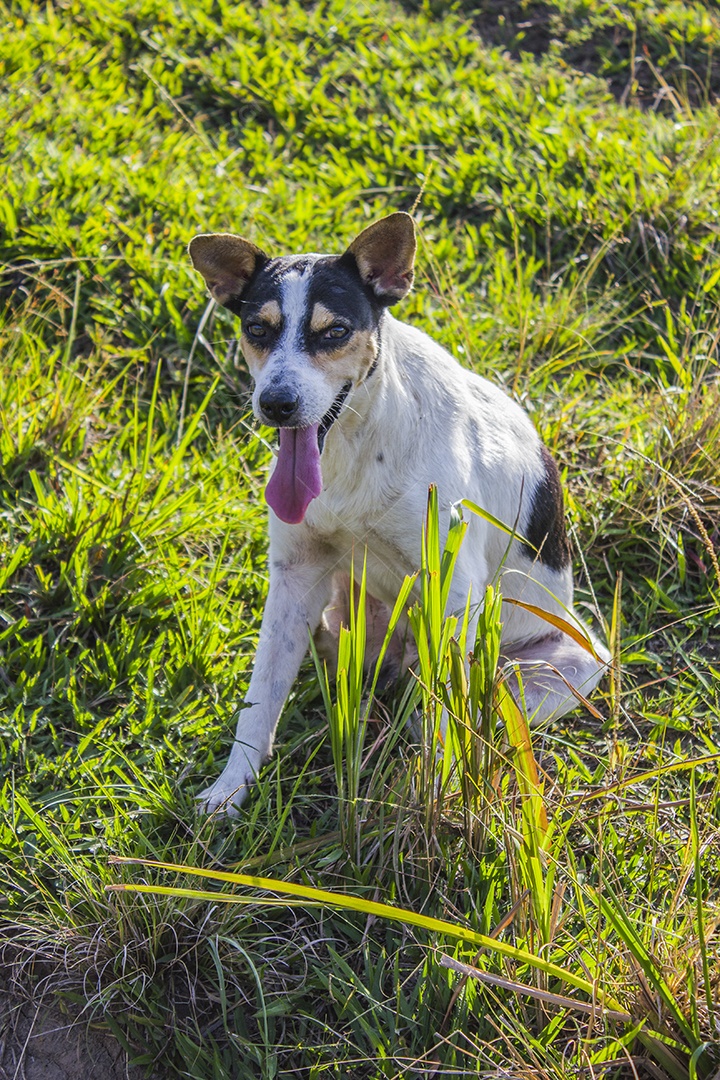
[(260, 288), (265, 284), (334, 282), (545, 528), (332, 414)]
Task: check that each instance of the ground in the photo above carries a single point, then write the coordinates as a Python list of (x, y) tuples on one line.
[(39, 1041)]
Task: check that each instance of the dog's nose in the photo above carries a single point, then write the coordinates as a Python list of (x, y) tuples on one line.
[(279, 406)]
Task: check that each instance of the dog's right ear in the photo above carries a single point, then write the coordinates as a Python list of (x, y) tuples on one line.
[(227, 263)]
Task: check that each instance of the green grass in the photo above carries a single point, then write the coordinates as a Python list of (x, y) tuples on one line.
[(658, 55), (569, 250)]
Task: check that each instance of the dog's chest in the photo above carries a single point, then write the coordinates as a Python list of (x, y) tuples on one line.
[(378, 536)]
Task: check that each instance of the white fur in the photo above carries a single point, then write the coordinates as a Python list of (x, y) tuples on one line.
[(431, 421)]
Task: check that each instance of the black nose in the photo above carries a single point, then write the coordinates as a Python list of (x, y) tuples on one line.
[(279, 406)]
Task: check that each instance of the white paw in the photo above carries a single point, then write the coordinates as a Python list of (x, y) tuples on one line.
[(220, 800), (228, 793)]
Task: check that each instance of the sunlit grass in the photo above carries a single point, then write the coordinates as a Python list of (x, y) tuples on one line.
[(568, 250)]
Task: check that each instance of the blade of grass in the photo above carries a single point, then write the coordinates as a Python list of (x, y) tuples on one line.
[(532, 991), (492, 520), (178, 453), (556, 621), (610, 906), (643, 777), (699, 901)]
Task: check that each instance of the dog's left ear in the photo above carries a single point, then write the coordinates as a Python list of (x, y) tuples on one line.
[(384, 253), (227, 263)]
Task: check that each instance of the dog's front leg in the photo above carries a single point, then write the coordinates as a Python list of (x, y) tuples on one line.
[(298, 593)]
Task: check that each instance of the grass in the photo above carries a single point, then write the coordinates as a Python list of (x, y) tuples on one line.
[(655, 55), (569, 249)]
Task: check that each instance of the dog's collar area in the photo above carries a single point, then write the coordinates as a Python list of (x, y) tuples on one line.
[(332, 414)]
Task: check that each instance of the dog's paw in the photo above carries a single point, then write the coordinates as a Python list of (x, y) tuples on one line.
[(225, 796)]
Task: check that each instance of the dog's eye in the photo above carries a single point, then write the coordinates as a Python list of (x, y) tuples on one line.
[(256, 330), (335, 333)]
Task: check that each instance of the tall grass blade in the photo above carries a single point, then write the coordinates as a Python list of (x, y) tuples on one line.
[(492, 520), (610, 906), (312, 895), (700, 903)]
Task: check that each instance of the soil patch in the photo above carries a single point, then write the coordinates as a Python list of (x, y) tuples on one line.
[(38, 1041)]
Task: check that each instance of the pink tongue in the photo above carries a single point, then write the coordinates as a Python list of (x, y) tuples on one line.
[(296, 479)]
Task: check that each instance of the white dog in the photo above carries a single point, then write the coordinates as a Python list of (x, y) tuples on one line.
[(370, 412)]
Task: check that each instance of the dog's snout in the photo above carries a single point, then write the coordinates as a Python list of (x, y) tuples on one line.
[(279, 405)]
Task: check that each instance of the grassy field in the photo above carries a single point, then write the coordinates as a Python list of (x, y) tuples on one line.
[(570, 250)]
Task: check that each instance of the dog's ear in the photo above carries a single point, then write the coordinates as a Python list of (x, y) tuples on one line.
[(227, 263), (384, 253)]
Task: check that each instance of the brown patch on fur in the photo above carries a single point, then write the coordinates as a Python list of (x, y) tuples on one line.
[(253, 353), (546, 526), (322, 319), (354, 356), (401, 653), (271, 314)]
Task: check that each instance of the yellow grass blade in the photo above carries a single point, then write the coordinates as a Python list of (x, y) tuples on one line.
[(518, 733), (558, 622), (324, 897)]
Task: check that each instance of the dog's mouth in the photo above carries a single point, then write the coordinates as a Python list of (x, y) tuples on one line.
[(297, 477), (332, 414)]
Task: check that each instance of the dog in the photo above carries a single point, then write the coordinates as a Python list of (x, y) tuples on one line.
[(370, 411)]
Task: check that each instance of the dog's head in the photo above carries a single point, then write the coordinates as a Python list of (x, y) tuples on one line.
[(309, 322), (309, 330)]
